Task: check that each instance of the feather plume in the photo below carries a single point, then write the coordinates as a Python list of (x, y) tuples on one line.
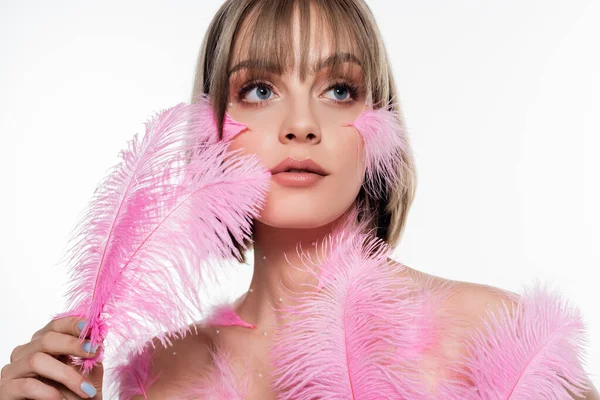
[(141, 249), (355, 337), (225, 315), (133, 377), (385, 144), (215, 381), (232, 128), (532, 350), (219, 382)]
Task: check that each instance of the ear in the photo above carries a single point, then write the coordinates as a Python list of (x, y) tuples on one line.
[(384, 142)]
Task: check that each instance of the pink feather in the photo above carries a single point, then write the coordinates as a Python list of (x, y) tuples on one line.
[(225, 315), (219, 382), (133, 377), (385, 143), (354, 338), (531, 351), (140, 250), (231, 128)]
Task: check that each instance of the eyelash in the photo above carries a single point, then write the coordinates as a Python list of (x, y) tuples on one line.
[(247, 87)]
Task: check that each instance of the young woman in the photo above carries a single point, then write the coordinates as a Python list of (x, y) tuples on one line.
[(293, 72)]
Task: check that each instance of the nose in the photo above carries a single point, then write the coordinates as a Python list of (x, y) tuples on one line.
[(301, 125)]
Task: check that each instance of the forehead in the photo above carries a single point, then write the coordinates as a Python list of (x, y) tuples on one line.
[(298, 40)]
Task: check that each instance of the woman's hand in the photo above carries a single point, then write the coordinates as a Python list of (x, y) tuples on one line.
[(41, 369)]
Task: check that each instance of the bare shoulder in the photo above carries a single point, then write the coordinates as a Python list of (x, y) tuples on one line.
[(467, 305), (189, 356), (469, 300)]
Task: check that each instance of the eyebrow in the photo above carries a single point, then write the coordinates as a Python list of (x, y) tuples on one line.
[(275, 69)]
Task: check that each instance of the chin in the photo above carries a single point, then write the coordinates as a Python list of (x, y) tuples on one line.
[(300, 215), (304, 218)]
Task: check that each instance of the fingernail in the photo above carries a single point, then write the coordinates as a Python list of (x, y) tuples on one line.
[(88, 389), (87, 345), (81, 325)]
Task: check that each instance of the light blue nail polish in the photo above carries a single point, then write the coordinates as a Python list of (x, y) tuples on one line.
[(81, 325), (88, 389), (87, 347)]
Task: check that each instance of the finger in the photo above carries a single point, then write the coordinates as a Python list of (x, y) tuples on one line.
[(48, 367), (28, 388), (67, 394), (69, 325), (55, 344)]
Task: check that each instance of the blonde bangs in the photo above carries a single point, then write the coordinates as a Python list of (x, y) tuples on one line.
[(268, 34)]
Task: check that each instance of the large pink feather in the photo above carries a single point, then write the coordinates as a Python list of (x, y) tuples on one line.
[(140, 249), (530, 351), (354, 338)]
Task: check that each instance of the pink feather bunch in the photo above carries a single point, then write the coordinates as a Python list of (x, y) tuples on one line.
[(142, 248), (364, 332), (367, 335)]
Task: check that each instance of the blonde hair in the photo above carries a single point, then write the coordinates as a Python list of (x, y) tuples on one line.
[(351, 24)]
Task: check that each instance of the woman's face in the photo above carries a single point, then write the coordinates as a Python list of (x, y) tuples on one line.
[(287, 117)]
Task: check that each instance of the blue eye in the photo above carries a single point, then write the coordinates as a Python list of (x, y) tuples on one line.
[(258, 93), (340, 92), (262, 94)]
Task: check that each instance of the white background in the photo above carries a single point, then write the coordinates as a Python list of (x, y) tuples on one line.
[(502, 100)]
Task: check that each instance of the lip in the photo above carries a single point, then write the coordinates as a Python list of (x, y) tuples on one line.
[(297, 178), (289, 163)]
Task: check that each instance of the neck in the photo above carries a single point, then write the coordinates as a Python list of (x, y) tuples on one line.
[(279, 271)]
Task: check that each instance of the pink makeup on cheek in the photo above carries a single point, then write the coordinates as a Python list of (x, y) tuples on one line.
[(232, 128), (209, 132), (385, 139)]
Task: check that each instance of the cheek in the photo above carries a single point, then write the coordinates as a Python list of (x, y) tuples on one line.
[(350, 165), (239, 143), (249, 144), (350, 157)]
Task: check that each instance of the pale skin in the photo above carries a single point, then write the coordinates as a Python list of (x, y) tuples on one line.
[(294, 120)]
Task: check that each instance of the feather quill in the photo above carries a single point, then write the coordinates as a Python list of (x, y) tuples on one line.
[(141, 249)]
